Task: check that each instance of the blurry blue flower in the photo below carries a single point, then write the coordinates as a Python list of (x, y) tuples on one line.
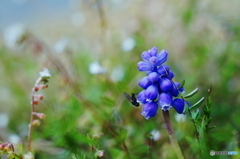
[(149, 110), (159, 89)]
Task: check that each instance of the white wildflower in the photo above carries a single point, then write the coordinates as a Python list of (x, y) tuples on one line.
[(156, 135), (180, 117), (45, 74), (96, 68), (128, 44)]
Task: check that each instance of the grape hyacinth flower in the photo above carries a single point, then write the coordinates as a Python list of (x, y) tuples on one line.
[(159, 89)]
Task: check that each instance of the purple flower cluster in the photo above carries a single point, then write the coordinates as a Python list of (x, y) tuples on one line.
[(159, 89)]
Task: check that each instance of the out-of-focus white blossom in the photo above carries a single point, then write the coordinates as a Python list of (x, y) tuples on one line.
[(128, 44), (14, 139), (45, 74), (100, 153), (180, 117), (156, 135), (13, 35), (61, 45), (3, 120), (117, 73), (29, 155), (95, 68)]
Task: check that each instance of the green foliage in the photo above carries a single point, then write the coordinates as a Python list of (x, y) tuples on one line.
[(203, 41)]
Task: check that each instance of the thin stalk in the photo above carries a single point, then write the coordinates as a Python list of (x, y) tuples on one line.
[(173, 141), (32, 117), (92, 149)]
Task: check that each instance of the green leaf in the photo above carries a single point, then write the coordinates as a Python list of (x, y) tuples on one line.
[(191, 93), (20, 147), (196, 105), (209, 101), (185, 108), (182, 84), (195, 115), (210, 128)]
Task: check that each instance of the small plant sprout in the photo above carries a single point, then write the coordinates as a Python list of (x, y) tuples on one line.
[(94, 142), (8, 149), (41, 83), (160, 91)]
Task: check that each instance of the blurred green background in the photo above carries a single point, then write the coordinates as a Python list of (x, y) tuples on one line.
[(91, 48)]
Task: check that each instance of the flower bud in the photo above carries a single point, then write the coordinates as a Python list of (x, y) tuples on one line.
[(151, 93), (162, 57), (163, 69), (36, 122), (149, 110), (144, 82), (2, 146), (178, 105), (35, 102), (38, 97), (38, 87), (39, 115), (153, 51), (165, 84), (175, 90), (153, 77), (164, 101), (141, 97), (144, 66), (153, 61), (100, 153), (7, 148), (169, 75), (145, 55), (35, 89)]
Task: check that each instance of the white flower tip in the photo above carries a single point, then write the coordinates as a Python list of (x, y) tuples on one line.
[(100, 153), (96, 68), (128, 44), (156, 135), (180, 117), (45, 73)]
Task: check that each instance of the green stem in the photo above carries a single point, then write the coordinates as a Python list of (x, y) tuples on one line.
[(173, 141)]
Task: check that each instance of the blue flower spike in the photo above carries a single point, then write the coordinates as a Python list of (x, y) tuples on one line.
[(159, 90)]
